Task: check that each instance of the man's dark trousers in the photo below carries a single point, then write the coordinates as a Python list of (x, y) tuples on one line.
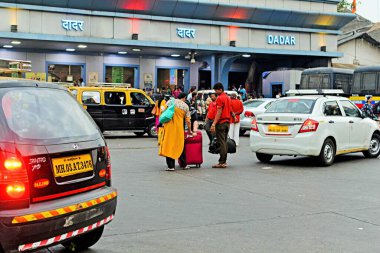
[(208, 127), (221, 135)]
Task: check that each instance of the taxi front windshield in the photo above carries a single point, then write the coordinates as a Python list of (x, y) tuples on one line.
[(302, 106), (43, 114)]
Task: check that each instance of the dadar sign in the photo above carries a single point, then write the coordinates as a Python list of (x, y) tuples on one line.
[(281, 40)]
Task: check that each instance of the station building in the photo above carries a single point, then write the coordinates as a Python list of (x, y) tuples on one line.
[(159, 43)]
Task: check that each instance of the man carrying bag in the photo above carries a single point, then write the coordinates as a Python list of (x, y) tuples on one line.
[(221, 123)]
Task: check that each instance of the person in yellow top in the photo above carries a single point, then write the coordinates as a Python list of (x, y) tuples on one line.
[(159, 107), (173, 139)]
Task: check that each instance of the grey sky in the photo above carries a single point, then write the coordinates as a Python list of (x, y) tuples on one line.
[(369, 9)]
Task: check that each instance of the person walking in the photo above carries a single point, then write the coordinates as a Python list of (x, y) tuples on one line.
[(173, 140), (243, 93), (237, 108), (190, 94), (81, 82), (221, 123), (211, 113), (176, 92), (159, 107), (368, 108)]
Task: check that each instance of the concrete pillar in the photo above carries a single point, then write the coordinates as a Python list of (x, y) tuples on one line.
[(224, 65)]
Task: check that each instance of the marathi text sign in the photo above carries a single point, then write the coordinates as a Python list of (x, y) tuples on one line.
[(186, 33), (70, 25)]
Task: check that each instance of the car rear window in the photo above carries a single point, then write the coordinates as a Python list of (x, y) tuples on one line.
[(42, 114), (253, 104), (302, 106)]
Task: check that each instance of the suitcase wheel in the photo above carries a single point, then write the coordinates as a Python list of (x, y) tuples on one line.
[(198, 165)]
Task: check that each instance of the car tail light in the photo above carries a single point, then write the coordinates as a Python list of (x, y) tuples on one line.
[(14, 184), (309, 126), (254, 126), (108, 168), (249, 114)]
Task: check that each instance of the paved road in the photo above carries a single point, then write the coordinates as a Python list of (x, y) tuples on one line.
[(288, 206)]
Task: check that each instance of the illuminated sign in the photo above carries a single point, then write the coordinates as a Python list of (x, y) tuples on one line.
[(186, 33), (69, 25), (281, 40)]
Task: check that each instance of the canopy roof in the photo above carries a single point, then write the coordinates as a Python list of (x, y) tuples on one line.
[(204, 10)]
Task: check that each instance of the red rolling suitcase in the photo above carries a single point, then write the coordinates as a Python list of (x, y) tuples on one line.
[(193, 150)]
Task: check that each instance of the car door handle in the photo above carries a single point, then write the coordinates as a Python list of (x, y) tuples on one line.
[(331, 121), (351, 122)]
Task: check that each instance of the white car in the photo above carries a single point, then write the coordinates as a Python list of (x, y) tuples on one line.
[(252, 108), (320, 126)]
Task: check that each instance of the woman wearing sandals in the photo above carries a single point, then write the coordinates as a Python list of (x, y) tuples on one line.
[(173, 140)]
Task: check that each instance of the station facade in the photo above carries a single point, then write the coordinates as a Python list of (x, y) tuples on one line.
[(155, 44)]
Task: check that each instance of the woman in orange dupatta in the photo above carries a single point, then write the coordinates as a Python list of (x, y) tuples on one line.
[(173, 139)]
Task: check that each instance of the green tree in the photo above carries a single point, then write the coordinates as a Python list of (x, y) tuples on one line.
[(344, 5)]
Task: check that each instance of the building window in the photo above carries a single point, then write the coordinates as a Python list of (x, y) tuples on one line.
[(170, 78), (120, 74), (65, 73)]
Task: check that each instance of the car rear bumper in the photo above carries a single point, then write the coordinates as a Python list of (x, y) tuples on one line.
[(306, 144), (48, 223)]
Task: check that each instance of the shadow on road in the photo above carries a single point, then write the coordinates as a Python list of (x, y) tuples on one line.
[(312, 162)]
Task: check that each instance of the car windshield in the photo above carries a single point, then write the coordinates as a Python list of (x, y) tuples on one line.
[(43, 114), (302, 106), (253, 104)]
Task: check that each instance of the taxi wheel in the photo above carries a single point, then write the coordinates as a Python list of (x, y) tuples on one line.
[(264, 158), (374, 147), (327, 155), (139, 134), (85, 241), (152, 132)]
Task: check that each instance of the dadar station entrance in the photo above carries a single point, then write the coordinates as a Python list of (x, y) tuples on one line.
[(161, 44), (246, 69)]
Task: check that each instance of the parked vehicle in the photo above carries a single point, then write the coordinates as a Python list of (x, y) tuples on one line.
[(253, 108), (320, 126), (118, 109), (55, 170), (327, 78), (366, 82)]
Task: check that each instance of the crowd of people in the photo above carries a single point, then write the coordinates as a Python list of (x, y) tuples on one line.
[(220, 112)]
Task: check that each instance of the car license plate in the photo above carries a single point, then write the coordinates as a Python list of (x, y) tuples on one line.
[(278, 129), (71, 165)]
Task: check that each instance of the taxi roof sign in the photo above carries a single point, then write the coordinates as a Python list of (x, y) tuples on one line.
[(336, 92)]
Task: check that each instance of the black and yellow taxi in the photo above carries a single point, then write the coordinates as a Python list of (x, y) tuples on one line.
[(118, 108), (55, 170)]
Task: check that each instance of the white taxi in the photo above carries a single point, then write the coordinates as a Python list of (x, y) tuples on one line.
[(319, 126)]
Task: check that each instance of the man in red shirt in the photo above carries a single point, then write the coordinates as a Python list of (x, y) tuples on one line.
[(211, 113), (237, 108), (221, 123)]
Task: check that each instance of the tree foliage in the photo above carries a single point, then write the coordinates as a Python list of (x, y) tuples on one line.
[(344, 5)]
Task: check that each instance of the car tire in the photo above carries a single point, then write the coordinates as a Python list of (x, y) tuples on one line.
[(242, 132), (139, 134), (152, 132), (85, 241), (327, 155), (264, 158), (374, 149)]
